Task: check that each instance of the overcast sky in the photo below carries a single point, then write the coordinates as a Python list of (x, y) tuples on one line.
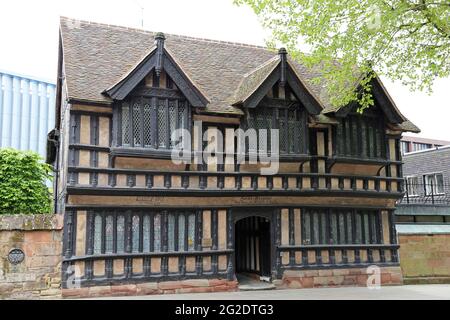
[(29, 41)]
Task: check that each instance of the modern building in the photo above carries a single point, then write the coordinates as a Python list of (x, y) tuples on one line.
[(423, 217), (412, 144), (427, 187), (27, 112), (136, 220)]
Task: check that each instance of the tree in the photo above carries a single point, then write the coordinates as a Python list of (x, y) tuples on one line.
[(352, 41), (23, 177)]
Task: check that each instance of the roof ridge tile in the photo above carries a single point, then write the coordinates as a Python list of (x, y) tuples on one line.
[(172, 35)]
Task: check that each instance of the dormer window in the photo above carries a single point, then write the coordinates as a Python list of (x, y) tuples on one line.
[(280, 110), (150, 122), (362, 135), (290, 121), (153, 100), (152, 113)]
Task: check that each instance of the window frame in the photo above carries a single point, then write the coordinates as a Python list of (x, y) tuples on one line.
[(301, 149), (417, 194), (361, 225), (435, 184), (370, 130), (154, 103), (128, 237)]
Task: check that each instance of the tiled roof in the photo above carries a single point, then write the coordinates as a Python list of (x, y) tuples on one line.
[(97, 56), (251, 81)]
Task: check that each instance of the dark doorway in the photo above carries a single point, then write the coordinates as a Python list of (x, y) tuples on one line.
[(252, 245)]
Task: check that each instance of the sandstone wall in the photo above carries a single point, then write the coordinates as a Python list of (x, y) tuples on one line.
[(39, 274), (425, 258)]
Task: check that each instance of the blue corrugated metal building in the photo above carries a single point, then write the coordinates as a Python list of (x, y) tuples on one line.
[(27, 112)]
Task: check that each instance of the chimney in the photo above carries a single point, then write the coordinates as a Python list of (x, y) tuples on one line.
[(159, 41), (283, 57)]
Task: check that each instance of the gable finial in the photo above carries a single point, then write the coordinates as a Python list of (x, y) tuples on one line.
[(159, 40), (283, 54)]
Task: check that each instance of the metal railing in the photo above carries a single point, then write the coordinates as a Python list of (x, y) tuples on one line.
[(426, 193)]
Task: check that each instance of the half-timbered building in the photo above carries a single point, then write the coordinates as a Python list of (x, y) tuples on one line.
[(138, 222)]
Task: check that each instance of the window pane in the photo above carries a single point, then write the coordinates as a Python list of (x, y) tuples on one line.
[(293, 126), (342, 228), (135, 233), (147, 125), (306, 228), (125, 124), (373, 227), (349, 228), (171, 232), (430, 184), (333, 228), (191, 232), (260, 123), (316, 227), (120, 234), (358, 229), (137, 124), (439, 183), (146, 233), (157, 233), (162, 124), (323, 228), (182, 117), (109, 229), (181, 232), (413, 183), (98, 234), (282, 125), (172, 121), (366, 229)]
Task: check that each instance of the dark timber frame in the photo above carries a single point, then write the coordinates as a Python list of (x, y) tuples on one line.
[(311, 255), (133, 216), (158, 59)]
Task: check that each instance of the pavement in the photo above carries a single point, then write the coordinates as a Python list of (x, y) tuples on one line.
[(408, 292)]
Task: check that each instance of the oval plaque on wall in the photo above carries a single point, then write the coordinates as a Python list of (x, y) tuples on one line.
[(16, 256)]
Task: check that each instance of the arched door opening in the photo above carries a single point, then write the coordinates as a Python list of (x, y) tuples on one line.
[(252, 248)]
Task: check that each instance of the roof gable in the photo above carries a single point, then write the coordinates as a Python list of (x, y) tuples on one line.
[(382, 100), (157, 59), (255, 85)]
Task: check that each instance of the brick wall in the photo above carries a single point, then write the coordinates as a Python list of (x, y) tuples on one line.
[(40, 238), (425, 258)]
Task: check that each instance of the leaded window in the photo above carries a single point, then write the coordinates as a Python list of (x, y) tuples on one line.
[(361, 136), (135, 233), (329, 226), (157, 233), (181, 232), (171, 231), (97, 234), (148, 232), (120, 234), (291, 123), (191, 232), (149, 122), (109, 234)]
